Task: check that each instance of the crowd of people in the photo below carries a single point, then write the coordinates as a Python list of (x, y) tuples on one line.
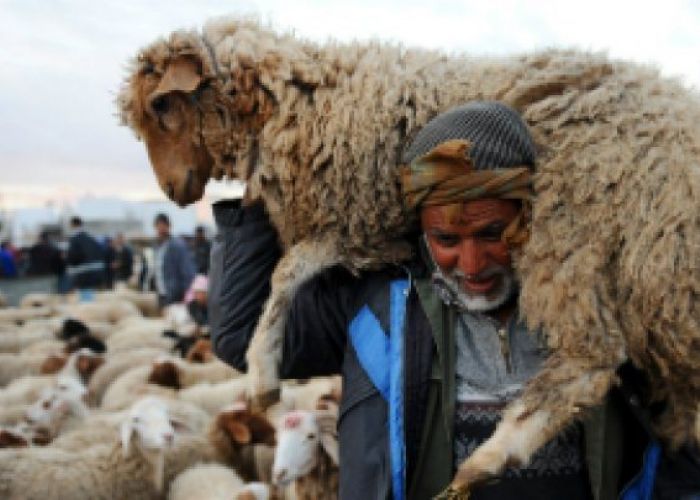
[(87, 263)]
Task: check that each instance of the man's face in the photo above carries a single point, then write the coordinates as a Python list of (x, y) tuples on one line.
[(469, 251), (162, 229)]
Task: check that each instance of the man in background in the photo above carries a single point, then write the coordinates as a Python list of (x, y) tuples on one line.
[(123, 263), (45, 258), (85, 259), (200, 249), (174, 267)]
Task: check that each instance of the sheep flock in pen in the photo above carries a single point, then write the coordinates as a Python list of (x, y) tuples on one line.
[(610, 272), (104, 402)]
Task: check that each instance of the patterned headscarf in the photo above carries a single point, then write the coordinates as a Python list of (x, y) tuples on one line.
[(445, 176)]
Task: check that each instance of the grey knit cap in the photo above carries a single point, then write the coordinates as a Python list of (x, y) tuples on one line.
[(498, 135)]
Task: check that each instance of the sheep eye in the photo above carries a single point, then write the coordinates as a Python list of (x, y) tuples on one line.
[(46, 405), (311, 436), (160, 105)]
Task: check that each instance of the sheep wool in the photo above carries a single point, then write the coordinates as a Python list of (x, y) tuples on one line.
[(610, 270)]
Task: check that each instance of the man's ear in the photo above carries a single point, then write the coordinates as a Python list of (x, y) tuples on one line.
[(184, 74)]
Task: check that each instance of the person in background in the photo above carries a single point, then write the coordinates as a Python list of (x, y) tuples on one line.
[(123, 263), (110, 258), (201, 247), (174, 268), (8, 266), (45, 258), (196, 300), (85, 259)]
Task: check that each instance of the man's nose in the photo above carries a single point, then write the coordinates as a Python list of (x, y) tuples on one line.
[(472, 258)]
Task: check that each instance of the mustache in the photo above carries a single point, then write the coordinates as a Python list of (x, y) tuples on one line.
[(492, 271)]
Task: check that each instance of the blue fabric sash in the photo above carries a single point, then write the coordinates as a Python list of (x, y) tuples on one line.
[(381, 356), (642, 486)]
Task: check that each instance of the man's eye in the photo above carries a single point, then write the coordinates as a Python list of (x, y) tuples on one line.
[(447, 240), (491, 234)]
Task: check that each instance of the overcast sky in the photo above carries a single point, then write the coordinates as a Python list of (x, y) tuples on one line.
[(62, 62)]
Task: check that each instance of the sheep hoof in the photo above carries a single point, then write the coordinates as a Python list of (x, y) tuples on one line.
[(453, 493), (261, 402)]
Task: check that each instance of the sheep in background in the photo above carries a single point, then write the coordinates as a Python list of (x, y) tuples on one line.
[(132, 384), (206, 482), (213, 397), (177, 373), (18, 316), (116, 364), (215, 482), (59, 408), (152, 450), (317, 132), (307, 453), (112, 311), (244, 439)]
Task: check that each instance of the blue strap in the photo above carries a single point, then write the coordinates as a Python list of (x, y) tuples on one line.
[(372, 348), (381, 357), (642, 486), (397, 310)]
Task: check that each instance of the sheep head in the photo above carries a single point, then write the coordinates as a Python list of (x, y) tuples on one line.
[(150, 422), (200, 102), (302, 435)]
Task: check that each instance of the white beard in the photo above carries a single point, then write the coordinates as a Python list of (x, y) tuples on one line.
[(451, 292)]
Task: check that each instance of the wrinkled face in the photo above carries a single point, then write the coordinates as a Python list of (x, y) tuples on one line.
[(297, 448), (466, 245), (170, 126)]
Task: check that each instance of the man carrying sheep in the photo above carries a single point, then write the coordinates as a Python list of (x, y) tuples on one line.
[(432, 352)]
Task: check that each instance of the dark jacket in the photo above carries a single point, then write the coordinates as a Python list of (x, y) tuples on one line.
[(244, 255), (124, 258), (200, 252), (85, 259), (178, 271), (44, 258)]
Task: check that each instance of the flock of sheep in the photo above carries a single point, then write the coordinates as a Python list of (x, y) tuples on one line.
[(109, 400)]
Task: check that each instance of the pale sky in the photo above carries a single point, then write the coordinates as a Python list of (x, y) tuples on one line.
[(63, 60)]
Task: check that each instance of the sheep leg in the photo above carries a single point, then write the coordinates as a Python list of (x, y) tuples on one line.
[(552, 400), (299, 264)]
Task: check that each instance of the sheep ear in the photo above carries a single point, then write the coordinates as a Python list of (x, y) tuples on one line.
[(330, 445), (239, 432), (126, 432), (183, 75)]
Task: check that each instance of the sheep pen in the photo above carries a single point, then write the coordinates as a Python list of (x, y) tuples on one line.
[(610, 269)]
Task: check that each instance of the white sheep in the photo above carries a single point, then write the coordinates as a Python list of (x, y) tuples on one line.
[(206, 482), (115, 365), (307, 453), (111, 311), (25, 390), (101, 427), (136, 467), (178, 373), (13, 366), (129, 385), (144, 332), (60, 408), (213, 397)]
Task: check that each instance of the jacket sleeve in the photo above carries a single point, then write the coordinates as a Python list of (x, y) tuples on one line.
[(244, 255)]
